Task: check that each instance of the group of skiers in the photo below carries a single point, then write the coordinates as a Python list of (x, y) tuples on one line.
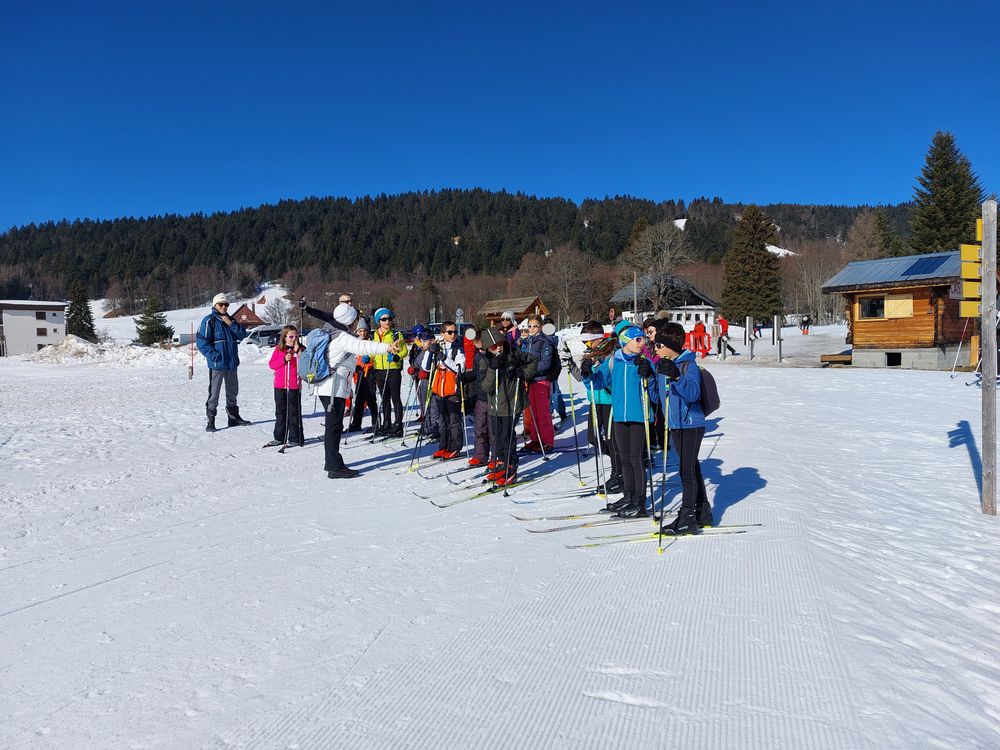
[(643, 387)]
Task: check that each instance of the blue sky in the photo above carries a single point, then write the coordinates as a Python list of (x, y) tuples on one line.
[(108, 109)]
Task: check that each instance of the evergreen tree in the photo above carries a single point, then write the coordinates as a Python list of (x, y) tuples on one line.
[(889, 243), (79, 319), (752, 284), (151, 327), (947, 199)]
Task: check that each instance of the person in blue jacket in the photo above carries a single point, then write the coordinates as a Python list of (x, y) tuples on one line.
[(679, 378), (218, 339), (621, 373)]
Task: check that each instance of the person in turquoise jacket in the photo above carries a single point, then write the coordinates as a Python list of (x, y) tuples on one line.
[(679, 378), (629, 413)]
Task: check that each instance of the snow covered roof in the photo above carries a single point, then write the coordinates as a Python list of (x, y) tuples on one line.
[(905, 270), (32, 303)]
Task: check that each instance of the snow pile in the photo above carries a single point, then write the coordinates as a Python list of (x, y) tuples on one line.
[(70, 349)]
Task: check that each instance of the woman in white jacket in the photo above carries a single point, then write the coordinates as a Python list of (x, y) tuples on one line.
[(342, 355)]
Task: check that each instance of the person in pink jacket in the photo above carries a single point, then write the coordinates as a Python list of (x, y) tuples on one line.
[(287, 396)]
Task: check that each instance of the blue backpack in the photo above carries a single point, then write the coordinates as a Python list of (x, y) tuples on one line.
[(313, 366)]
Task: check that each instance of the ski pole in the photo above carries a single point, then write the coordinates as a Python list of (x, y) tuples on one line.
[(576, 444), (645, 424), (465, 426), (598, 463), (285, 444), (514, 413), (414, 463), (409, 402)]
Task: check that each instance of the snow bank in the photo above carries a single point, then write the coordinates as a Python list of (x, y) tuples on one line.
[(74, 350)]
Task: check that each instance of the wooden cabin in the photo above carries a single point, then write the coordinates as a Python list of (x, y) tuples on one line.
[(903, 312), (522, 307), (247, 317)]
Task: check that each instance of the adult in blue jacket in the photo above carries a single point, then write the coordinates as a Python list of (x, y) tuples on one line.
[(679, 378), (218, 339)]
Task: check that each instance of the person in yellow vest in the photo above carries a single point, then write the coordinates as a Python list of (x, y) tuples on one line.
[(389, 373)]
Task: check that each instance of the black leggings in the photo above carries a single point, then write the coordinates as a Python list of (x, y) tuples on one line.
[(389, 383), (630, 441), (607, 437), (687, 443), (364, 396), (288, 411), (503, 446), (450, 434)]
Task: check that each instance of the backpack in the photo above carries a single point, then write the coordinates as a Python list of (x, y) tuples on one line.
[(555, 366), (313, 366), (710, 400)]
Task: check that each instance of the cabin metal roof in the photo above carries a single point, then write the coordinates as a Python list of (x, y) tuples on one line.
[(906, 270), (645, 284)]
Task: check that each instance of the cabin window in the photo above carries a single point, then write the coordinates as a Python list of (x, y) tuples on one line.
[(39, 316), (893, 359), (872, 307), (41, 332)]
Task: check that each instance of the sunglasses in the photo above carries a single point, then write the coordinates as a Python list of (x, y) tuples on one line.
[(223, 304), (449, 333), (534, 326)]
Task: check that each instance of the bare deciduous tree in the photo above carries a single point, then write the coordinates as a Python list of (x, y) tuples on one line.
[(277, 312), (656, 253), (804, 274), (863, 239)]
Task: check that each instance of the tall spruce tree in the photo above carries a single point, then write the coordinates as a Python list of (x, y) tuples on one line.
[(752, 285), (947, 199), (151, 327), (79, 319)]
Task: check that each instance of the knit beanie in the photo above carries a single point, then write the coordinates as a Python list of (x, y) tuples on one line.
[(672, 337), (344, 314), (632, 332), (362, 324), (621, 325), (382, 312)]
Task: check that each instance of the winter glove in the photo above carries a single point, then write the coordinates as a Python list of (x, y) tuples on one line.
[(469, 376), (434, 348), (390, 357), (668, 368), (586, 367), (411, 370), (422, 375), (497, 362), (365, 359), (302, 303), (517, 372), (645, 368)]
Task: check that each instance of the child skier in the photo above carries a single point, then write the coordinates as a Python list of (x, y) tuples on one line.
[(287, 395), (506, 370), (448, 367), (472, 380), (626, 373), (677, 369)]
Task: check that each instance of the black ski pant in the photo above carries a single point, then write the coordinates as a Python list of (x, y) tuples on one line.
[(452, 429), (483, 431), (687, 443), (389, 384), (332, 431), (365, 396), (630, 437), (288, 413), (503, 446)]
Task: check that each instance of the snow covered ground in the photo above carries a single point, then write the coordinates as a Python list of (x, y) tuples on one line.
[(161, 587)]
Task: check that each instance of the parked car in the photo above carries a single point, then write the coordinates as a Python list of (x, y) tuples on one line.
[(263, 336)]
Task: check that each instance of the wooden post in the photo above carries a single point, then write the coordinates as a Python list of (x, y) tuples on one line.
[(989, 361)]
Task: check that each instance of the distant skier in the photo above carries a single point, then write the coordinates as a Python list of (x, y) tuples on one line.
[(723, 336), (218, 340), (806, 322)]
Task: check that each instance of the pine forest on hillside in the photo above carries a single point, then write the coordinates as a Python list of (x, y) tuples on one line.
[(461, 247)]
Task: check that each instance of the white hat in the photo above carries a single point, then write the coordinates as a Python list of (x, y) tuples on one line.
[(508, 315), (344, 314), (220, 297)]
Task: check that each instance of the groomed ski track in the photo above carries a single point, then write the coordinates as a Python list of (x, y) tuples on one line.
[(164, 588)]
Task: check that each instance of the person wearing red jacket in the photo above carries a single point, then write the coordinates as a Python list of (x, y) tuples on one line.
[(287, 395), (723, 336)]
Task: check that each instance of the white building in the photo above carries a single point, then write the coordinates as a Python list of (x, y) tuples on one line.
[(687, 305), (26, 325)]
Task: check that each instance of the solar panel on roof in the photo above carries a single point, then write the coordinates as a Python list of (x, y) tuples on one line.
[(925, 266)]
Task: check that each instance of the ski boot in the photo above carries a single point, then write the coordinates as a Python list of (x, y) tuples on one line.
[(235, 420), (685, 523), (210, 427)]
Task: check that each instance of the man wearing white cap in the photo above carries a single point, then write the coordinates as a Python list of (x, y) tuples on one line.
[(218, 339)]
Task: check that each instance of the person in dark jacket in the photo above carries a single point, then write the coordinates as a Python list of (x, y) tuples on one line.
[(218, 340), (678, 383), (539, 433), (449, 364), (506, 371), (472, 380)]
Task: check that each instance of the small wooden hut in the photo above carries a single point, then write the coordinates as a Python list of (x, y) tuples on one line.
[(522, 307), (904, 312)]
